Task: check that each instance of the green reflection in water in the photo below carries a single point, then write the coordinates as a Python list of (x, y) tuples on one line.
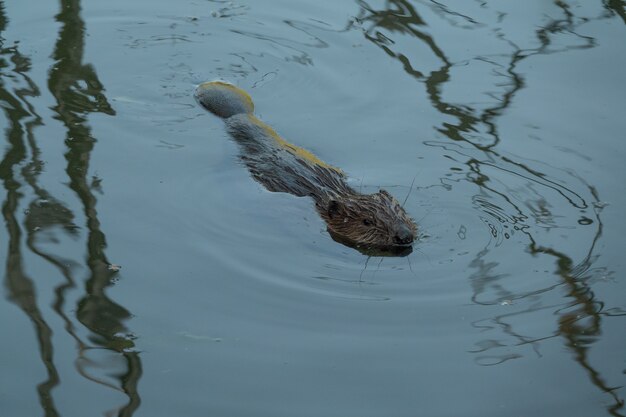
[(579, 318), (78, 92), (616, 7), (21, 121)]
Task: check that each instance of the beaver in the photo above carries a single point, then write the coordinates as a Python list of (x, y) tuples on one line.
[(372, 223)]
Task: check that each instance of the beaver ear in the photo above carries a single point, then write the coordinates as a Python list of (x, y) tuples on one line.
[(333, 208)]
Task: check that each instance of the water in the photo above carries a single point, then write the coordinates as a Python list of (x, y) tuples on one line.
[(234, 301)]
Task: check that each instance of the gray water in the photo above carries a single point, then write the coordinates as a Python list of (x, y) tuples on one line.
[(147, 274)]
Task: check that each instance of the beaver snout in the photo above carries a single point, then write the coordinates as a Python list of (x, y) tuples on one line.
[(403, 236)]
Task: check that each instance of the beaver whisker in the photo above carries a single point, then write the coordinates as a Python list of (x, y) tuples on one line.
[(410, 189)]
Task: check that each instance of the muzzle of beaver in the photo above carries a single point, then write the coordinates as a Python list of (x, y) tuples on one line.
[(403, 236)]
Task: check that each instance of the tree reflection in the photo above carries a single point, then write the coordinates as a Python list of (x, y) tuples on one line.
[(617, 7), (78, 92), (473, 136), (21, 121)]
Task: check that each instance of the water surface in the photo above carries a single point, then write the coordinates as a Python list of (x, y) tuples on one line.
[(147, 274)]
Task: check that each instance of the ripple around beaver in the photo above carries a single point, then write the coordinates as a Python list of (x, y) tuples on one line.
[(374, 224)]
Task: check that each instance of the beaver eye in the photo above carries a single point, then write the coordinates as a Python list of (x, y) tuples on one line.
[(367, 222)]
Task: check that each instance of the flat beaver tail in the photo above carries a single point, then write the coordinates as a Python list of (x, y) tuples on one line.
[(224, 99)]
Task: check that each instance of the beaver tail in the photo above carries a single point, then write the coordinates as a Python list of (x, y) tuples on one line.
[(223, 99)]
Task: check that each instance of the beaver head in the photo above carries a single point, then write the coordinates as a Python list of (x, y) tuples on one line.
[(368, 221)]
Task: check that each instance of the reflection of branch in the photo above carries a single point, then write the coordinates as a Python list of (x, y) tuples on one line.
[(43, 215), (444, 11), (129, 383), (302, 57), (401, 17), (20, 287), (580, 337), (78, 92), (616, 6), (581, 323), (81, 363)]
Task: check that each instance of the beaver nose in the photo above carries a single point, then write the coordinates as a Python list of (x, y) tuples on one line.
[(403, 236)]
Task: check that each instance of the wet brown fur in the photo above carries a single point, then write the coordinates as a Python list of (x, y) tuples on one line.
[(369, 220), (360, 220)]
